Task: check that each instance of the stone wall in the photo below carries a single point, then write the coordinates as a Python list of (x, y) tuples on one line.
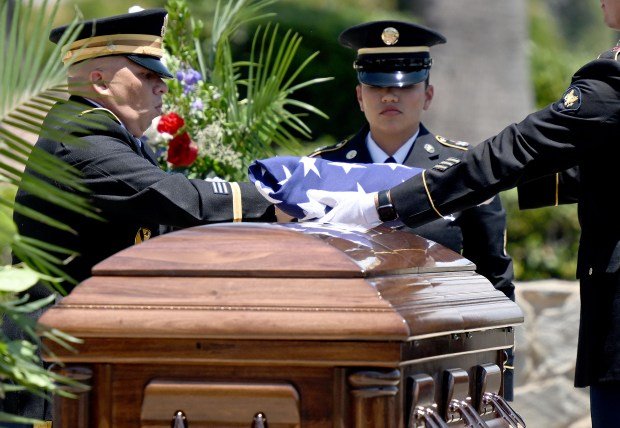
[(546, 346)]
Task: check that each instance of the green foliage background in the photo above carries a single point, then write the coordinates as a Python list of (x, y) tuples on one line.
[(564, 34)]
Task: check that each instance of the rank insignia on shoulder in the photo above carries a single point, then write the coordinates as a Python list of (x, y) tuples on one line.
[(143, 234), (429, 148), (462, 143), (441, 167), (571, 100)]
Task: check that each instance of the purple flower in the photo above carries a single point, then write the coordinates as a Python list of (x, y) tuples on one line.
[(188, 78), (196, 104)]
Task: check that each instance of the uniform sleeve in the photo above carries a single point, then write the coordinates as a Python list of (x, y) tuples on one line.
[(483, 228), (551, 190), (125, 185), (548, 141)]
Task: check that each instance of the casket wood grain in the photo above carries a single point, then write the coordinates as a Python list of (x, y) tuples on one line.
[(314, 326)]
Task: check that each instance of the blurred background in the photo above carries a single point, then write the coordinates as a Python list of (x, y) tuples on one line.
[(503, 59)]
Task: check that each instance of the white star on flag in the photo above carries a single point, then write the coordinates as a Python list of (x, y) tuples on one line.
[(309, 165), (347, 166), (287, 174)]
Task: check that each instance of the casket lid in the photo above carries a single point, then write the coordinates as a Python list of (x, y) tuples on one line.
[(283, 282), (289, 250)]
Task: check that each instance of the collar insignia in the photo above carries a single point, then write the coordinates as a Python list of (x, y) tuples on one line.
[(429, 148), (351, 154)]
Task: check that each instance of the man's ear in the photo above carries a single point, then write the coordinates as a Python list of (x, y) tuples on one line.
[(360, 99), (99, 84), (428, 96)]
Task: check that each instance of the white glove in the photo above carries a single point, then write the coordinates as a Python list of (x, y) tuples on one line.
[(347, 207)]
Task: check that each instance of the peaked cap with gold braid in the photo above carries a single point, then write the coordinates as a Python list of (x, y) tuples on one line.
[(391, 53), (137, 35)]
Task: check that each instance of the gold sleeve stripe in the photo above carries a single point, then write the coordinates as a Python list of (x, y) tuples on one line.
[(237, 203), (428, 194), (404, 49), (557, 189)]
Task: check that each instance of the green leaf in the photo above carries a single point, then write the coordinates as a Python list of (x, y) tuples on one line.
[(16, 280)]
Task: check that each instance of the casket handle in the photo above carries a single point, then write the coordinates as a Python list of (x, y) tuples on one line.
[(260, 421), (427, 417), (179, 420), (503, 409), (488, 385)]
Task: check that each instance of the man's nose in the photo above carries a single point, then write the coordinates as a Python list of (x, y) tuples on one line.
[(161, 87)]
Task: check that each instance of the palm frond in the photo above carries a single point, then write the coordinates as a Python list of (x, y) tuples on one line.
[(269, 89), (231, 15)]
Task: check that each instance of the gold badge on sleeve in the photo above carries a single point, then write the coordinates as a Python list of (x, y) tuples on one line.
[(143, 234)]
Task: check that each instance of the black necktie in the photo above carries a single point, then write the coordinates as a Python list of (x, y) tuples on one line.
[(390, 160)]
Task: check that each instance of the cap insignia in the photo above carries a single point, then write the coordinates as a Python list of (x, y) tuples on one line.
[(351, 154), (429, 148), (390, 36), (163, 27)]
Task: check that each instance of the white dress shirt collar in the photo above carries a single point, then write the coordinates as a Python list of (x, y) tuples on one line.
[(379, 156)]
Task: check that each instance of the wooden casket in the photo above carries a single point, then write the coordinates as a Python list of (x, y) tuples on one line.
[(312, 325)]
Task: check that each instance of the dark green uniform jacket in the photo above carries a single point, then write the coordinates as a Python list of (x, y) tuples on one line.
[(581, 129), (132, 193)]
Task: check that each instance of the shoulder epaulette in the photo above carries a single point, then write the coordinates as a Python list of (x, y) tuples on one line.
[(101, 109), (461, 145), (325, 149), (611, 54)]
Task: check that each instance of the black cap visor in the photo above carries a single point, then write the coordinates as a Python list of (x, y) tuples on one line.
[(393, 78), (153, 64)]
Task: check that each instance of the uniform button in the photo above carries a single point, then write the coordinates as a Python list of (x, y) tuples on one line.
[(590, 271)]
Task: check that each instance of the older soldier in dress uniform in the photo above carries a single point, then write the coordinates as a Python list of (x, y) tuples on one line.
[(116, 82), (572, 132), (393, 65)]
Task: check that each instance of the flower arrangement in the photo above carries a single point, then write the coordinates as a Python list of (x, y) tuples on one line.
[(208, 129)]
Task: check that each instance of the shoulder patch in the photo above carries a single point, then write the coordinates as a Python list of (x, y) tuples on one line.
[(101, 110), (461, 145), (325, 149), (571, 100)]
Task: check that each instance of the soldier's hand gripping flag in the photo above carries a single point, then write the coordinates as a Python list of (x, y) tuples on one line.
[(309, 188)]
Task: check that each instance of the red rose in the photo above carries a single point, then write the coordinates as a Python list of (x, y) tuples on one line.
[(170, 123), (182, 151)]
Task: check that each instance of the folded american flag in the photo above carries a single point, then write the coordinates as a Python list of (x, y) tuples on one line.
[(292, 182)]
